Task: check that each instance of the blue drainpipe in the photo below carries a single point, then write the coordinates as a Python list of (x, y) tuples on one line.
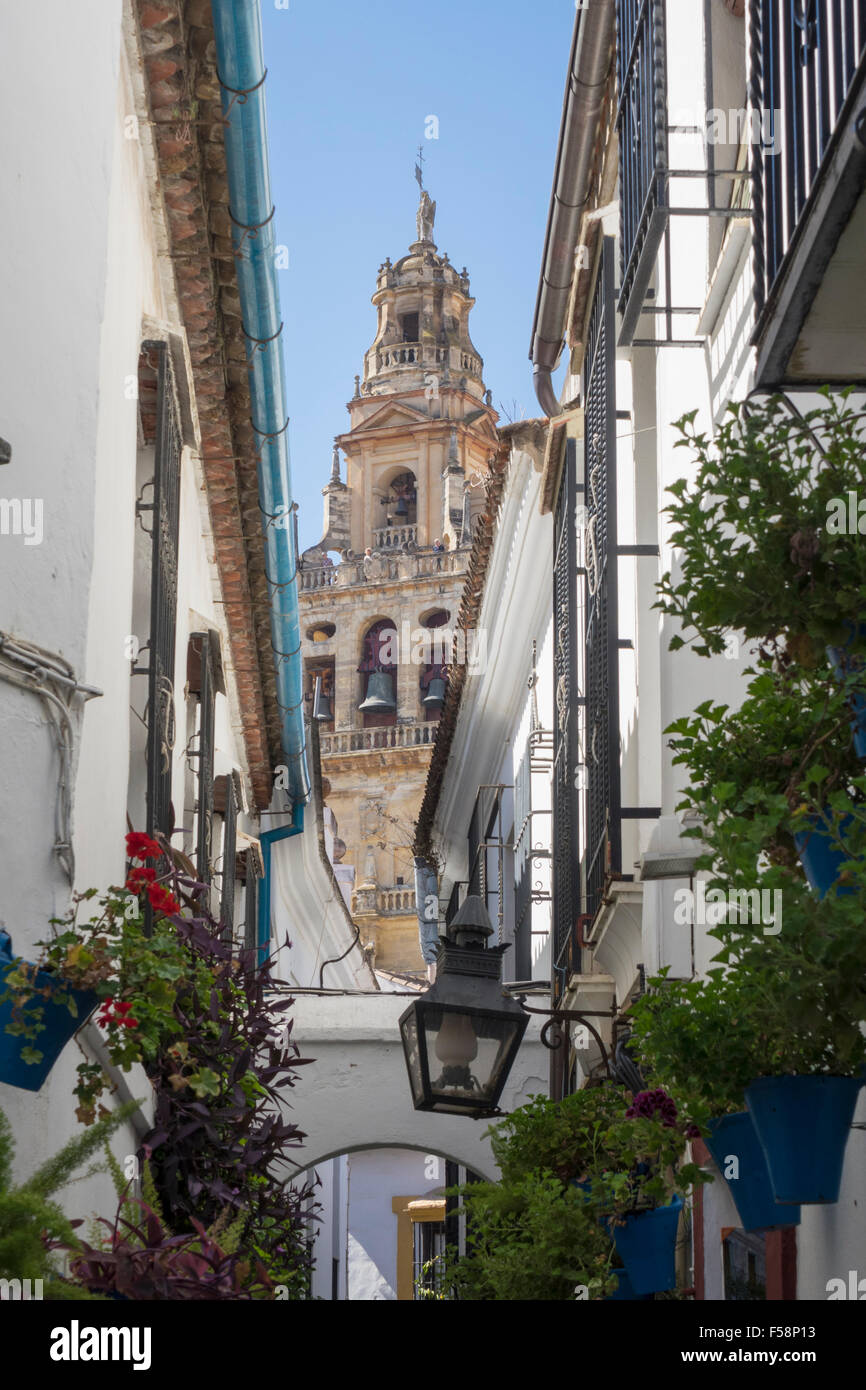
[(266, 839), (240, 65)]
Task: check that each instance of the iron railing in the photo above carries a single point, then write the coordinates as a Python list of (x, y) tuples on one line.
[(805, 57), (602, 738), (163, 596)]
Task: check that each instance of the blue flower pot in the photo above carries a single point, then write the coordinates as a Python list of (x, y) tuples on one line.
[(625, 1290), (803, 1123), (59, 1025), (843, 662), (821, 856), (734, 1136), (646, 1244)]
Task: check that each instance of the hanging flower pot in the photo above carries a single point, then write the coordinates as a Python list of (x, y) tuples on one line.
[(821, 856), (646, 1244), (803, 1123), (59, 1022), (844, 662), (733, 1136)]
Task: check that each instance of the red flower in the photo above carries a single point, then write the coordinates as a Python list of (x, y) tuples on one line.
[(130, 1022), (161, 900), (138, 877), (140, 846)]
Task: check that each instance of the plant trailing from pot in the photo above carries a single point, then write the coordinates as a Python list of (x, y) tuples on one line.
[(219, 1140), (531, 1239), (697, 1038), (758, 525), (31, 1218), (132, 968), (625, 1157)]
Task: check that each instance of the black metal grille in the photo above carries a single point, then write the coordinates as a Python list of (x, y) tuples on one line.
[(251, 903), (230, 838), (203, 643), (643, 147), (163, 600), (602, 751), (805, 55), (566, 821)]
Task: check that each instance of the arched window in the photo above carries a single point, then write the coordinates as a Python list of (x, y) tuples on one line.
[(378, 670)]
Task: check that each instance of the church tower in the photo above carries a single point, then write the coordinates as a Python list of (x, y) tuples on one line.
[(381, 591)]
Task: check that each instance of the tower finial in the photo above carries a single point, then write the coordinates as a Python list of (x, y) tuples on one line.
[(419, 168), (335, 465)]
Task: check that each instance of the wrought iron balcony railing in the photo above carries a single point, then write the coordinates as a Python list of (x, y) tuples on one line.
[(807, 65)]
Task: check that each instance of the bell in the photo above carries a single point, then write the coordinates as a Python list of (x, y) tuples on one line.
[(402, 507), (435, 692), (380, 695), (322, 704)]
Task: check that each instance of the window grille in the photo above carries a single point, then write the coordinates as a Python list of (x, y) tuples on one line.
[(163, 603)]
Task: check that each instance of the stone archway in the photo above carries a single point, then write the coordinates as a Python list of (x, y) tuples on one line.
[(355, 1094)]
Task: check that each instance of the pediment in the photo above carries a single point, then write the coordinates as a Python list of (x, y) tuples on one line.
[(391, 413)]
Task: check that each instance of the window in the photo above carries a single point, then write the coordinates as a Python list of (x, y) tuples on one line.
[(409, 325)]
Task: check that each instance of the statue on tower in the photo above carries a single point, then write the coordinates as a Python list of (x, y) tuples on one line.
[(426, 217)]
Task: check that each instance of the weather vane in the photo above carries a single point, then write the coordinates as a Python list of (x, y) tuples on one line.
[(419, 168)]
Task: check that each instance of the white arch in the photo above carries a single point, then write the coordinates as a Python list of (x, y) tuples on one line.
[(355, 1095)]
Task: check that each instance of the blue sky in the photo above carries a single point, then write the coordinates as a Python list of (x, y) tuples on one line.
[(350, 86)]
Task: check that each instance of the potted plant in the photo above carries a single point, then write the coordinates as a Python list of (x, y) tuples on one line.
[(696, 1038), (757, 522), (532, 1239), (626, 1160), (130, 968)]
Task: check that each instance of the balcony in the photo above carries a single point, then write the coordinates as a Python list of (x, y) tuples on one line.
[(397, 902), (387, 564), (394, 537), (807, 76), (416, 735), (426, 356)]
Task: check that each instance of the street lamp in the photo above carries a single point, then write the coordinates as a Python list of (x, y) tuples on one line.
[(461, 1037)]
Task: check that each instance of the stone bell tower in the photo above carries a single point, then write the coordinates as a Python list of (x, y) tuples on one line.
[(381, 591)]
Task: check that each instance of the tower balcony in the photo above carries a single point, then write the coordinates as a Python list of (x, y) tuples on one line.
[(417, 734), (422, 357), (394, 537), (389, 564)]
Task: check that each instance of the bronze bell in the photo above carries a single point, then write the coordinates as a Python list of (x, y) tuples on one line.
[(402, 507), (322, 703), (380, 694), (435, 692)]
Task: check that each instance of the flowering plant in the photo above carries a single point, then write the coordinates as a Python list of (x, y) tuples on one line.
[(135, 967)]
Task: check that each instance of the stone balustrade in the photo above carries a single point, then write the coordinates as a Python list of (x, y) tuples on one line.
[(393, 537), (384, 566), (416, 735)]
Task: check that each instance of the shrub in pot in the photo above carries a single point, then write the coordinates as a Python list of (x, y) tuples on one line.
[(626, 1159), (694, 1037), (757, 525)]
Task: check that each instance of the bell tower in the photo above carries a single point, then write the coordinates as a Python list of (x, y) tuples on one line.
[(380, 593)]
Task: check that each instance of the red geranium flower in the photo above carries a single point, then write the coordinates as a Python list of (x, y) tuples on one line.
[(161, 900), (138, 878), (141, 846)]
